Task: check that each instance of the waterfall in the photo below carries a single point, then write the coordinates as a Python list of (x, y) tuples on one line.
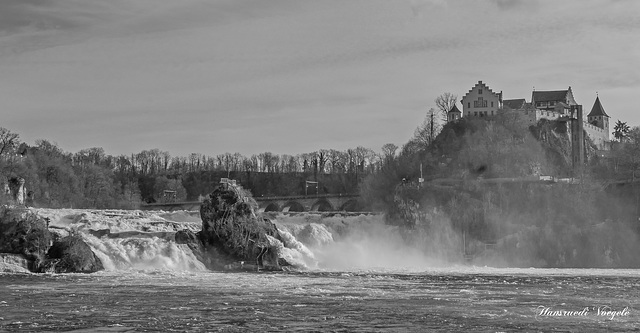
[(141, 240)]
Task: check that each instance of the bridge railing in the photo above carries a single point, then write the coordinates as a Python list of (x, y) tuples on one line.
[(309, 196)]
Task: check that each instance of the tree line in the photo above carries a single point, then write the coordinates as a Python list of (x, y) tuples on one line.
[(91, 178)]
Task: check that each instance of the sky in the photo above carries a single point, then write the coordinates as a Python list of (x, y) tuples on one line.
[(294, 76)]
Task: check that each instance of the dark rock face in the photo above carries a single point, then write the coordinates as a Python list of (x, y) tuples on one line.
[(71, 255), (23, 232), (16, 187), (230, 225), (186, 236), (100, 233), (210, 256)]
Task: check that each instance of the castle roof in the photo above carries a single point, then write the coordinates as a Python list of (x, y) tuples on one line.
[(485, 87), (546, 96), (597, 109), (515, 104), (454, 109)]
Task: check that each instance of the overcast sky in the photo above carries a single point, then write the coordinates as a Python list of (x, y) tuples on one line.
[(294, 76)]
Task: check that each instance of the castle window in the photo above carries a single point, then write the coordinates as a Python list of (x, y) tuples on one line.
[(480, 103), (480, 91), (469, 104)]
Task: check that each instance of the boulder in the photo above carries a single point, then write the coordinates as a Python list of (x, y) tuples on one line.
[(25, 233), (71, 255), (231, 226)]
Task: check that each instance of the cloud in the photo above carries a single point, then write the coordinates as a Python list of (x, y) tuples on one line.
[(361, 73), (516, 4), (16, 15)]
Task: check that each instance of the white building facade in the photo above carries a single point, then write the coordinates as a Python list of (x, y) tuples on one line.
[(481, 101)]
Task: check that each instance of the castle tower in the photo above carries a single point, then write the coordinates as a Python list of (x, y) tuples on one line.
[(598, 117), (453, 114)]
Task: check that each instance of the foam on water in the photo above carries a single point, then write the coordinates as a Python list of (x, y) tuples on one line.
[(294, 251), (142, 240), (145, 240), (144, 254), (361, 242), (13, 263)]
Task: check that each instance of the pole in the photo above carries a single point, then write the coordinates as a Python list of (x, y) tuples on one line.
[(431, 133)]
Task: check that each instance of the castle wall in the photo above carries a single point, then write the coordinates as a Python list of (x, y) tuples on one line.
[(598, 135), (533, 115)]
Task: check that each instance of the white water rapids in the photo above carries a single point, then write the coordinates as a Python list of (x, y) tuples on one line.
[(144, 240)]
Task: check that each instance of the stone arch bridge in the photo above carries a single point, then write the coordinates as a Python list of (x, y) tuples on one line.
[(295, 203), (310, 203)]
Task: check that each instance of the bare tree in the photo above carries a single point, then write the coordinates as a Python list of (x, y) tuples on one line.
[(166, 158), (8, 140), (389, 152), (322, 158), (428, 130), (338, 161), (445, 103)]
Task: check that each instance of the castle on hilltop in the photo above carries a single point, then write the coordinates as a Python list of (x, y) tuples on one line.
[(482, 102)]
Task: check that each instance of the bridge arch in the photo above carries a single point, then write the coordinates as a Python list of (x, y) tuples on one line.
[(351, 205), (292, 206), (272, 207), (322, 205)]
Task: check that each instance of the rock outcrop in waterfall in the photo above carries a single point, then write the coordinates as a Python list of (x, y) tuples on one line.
[(24, 233), (231, 227), (71, 255)]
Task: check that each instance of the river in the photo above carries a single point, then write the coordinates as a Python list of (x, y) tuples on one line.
[(152, 284)]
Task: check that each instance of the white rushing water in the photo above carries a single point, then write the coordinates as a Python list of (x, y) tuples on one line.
[(143, 240), (136, 240)]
